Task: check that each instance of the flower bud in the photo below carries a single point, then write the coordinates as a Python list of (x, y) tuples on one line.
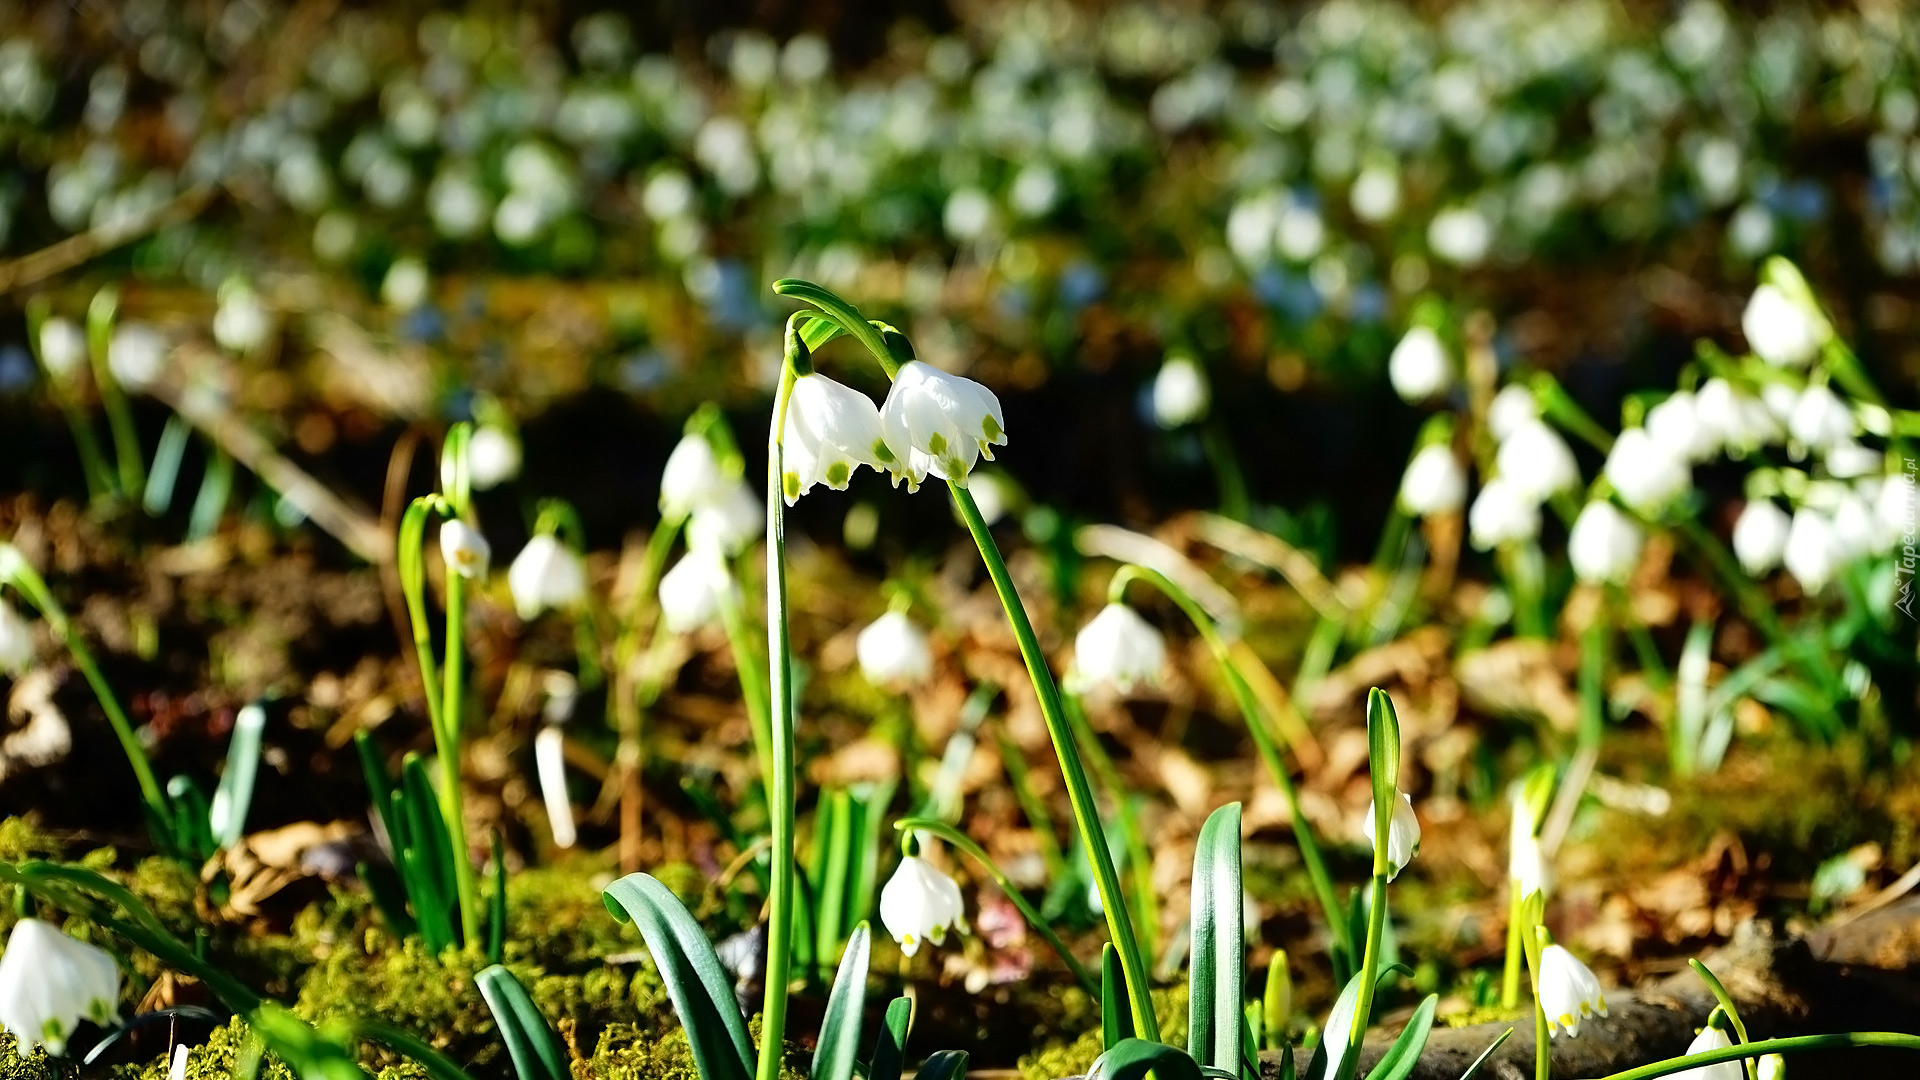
[(1403, 834), (1180, 392), (1419, 367), (466, 552)]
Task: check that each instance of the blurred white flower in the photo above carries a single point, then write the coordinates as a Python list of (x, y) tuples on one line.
[(1812, 552), (1848, 460), (1569, 993), (1734, 419), (1604, 545), (1180, 392), (1537, 461), (730, 522), (968, 214), (547, 574), (16, 640), (550, 767), (1502, 514), (241, 322), (49, 982), (466, 552), (1781, 330), (1820, 419), (1647, 475), (1855, 534), (919, 903), (1895, 508), (1512, 407), (1118, 648), (1403, 834), (938, 423), (893, 651), (405, 286), (1675, 424), (693, 590), (692, 476), (1419, 366), (63, 347), (1526, 863), (136, 354), (1460, 235), (1375, 196), (831, 431), (1760, 536), (493, 457), (1434, 483), (1711, 1038)]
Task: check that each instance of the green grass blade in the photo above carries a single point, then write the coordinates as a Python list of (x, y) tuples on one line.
[(165, 472), (1399, 1060), (1217, 980), (1116, 1022), (497, 905), (1133, 1059), (227, 817), (1485, 1054), (700, 988), (890, 1049), (530, 1041), (389, 897), (944, 1065), (839, 1044)]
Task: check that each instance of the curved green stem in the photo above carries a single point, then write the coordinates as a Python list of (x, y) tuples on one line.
[(1733, 1011), (773, 1023), (846, 315), (1079, 792), (1791, 1044), (1255, 720), (964, 843), (465, 884)]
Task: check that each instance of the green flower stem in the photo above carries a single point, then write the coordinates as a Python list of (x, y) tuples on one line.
[(847, 317), (1139, 860), (1231, 480), (964, 843), (1543, 1043), (1733, 1011), (126, 437), (1758, 609), (1376, 931), (773, 1024), (1510, 976), (1255, 720), (1594, 646), (93, 463), (1792, 1044), (447, 745), (753, 683), (1079, 792), (1034, 807), (411, 551), (15, 570), (1534, 939)]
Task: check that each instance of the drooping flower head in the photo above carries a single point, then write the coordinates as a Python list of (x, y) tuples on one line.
[(1569, 992), (918, 903), (1502, 514), (1712, 1037), (1403, 834), (692, 476), (1604, 545), (547, 574), (1180, 392), (731, 522), (1433, 483), (1760, 536), (938, 423), (1647, 475), (1782, 330), (493, 456), (1119, 649), (1537, 461), (49, 982), (831, 430), (893, 651), (693, 590), (466, 552), (1419, 367)]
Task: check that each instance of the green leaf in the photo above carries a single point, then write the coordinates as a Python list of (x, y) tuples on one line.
[(832, 857), (227, 817), (701, 992), (1277, 1001), (437, 1065), (1383, 756), (1399, 1060), (530, 1041), (944, 1065), (839, 1043), (1485, 1054), (1133, 1059), (890, 1049), (389, 896), (1116, 1021), (1339, 1027), (1217, 980)]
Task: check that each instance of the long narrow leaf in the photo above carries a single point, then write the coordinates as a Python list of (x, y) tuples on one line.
[(840, 1029), (1133, 1059), (890, 1049), (1217, 981), (530, 1041), (1116, 1021), (701, 991), (227, 817), (1485, 1054), (944, 1065), (1399, 1060)]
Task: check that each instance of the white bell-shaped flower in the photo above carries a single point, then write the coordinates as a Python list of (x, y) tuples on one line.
[(1676, 426), (1820, 419), (1419, 366), (63, 347), (1502, 514), (466, 552), (1773, 1067), (16, 641), (1119, 649), (1854, 533), (546, 575), (1604, 545), (1513, 406), (1736, 420), (240, 322), (918, 903), (1647, 475), (894, 652), (493, 457), (1403, 834), (49, 982), (1895, 507), (136, 354), (831, 431), (1760, 536), (1711, 1038), (1434, 483), (692, 476), (1812, 552), (1848, 460), (1180, 392), (1569, 992), (730, 522), (1537, 461), (939, 423), (1781, 330), (1526, 862), (693, 590)]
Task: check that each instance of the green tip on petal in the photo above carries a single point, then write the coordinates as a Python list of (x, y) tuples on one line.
[(838, 474), (991, 426), (937, 445), (881, 453), (790, 483)]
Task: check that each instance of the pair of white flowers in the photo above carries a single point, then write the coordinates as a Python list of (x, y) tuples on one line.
[(723, 516), (1532, 464), (931, 423), (546, 574)]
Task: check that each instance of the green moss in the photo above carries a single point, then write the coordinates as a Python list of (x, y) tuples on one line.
[(21, 839), (1075, 1056), (34, 1066), (211, 1060), (628, 1052)]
